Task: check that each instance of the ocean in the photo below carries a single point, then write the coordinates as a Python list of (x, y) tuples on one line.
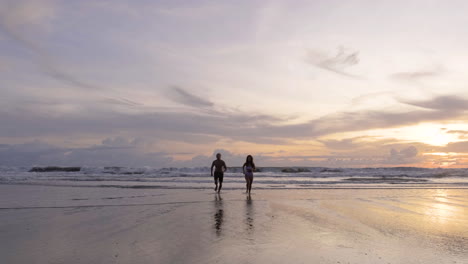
[(264, 178)]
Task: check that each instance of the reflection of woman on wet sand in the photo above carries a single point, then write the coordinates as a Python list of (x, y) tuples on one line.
[(248, 168), (249, 214)]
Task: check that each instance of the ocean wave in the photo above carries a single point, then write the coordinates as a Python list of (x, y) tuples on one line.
[(200, 177)]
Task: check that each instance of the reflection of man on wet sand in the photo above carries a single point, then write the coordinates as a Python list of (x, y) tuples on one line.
[(220, 168), (218, 217)]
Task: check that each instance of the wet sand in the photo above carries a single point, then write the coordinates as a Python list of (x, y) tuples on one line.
[(41, 224)]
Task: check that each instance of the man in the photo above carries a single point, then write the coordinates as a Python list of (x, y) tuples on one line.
[(220, 168)]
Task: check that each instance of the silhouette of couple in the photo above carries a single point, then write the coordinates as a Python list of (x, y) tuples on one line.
[(220, 167)]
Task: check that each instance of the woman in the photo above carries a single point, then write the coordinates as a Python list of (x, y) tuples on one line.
[(248, 168)]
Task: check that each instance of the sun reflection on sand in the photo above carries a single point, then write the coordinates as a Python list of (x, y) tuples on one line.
[(439, 211)]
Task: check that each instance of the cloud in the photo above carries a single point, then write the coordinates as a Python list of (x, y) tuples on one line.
[(413, 75), (462, 134), (461, 146), (337, 64), (184, 97), (183, 125), (261, 159), (120, 101), (347, 143), (373, 154), (416, 75), (373, 151), (373, 97), (157, 8), (404, 156), (118, 151), (361, 146), (112, 152), (232, 160), (115, 152), (436, 109), (445, 103), (122, 151), (25, 21)]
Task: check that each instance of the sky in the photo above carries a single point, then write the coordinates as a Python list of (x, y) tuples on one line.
[(293, 83)]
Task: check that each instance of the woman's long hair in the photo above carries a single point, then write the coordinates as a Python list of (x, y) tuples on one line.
[(247, 162)]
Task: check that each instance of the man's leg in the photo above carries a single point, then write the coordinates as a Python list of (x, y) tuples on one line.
[(220, 182), (216, 182)]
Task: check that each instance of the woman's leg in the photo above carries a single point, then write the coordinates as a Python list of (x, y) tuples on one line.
[(246, 184)]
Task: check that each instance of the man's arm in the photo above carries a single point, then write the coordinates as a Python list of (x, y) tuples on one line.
[(224, 165)]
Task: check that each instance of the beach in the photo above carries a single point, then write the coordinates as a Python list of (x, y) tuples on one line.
[(348, 121), (54, 224)]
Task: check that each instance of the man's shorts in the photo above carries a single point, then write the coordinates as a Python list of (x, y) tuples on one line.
[(219, 175)]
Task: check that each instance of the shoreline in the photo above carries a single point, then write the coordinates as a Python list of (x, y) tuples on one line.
[(159, 187)]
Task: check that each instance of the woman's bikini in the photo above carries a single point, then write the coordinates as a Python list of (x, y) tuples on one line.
[(248, 172)]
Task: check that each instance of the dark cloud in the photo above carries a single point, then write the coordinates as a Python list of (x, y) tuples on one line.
[(445, 103), (121, 151), (177, 124), (121, 101), (60, 75), (112, 152), (439, 108), (184, 97), (337, 64)]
